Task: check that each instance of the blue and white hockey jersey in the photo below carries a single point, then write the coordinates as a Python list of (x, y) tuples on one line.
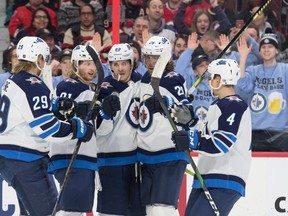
[(116, 139), (225, 145), (27, 122), (154, 133), (61, 154)]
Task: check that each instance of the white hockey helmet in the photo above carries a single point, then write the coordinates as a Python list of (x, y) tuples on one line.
[(228, 69), (157, 45), (29, 48), (80, 53), (122, 51)]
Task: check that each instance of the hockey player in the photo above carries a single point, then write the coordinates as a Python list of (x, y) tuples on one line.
[(223, 143), (27, 124), (78, 197), (163, 167), (116, 137)]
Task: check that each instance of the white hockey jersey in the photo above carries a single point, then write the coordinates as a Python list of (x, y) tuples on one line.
[(225, 145), (61, 154), (116, 138), (154, 133), (27, 122)]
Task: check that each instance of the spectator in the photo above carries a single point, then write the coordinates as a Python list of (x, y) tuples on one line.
[(268, 82), (202, 20), (40, 20), (192, 7), (158, 26), (133, 9), (191, 71), (208, 45), (49, 38), (69, 14), (261, 21), (65, 67), (85, 30), (139, 66), (170, 10), (229, 13), (141, 23), (9, 61), (180, 46), (23, 15)]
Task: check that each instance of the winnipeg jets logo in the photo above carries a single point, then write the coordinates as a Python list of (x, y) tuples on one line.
[(71, 80), (132, 113), (34, 80), (145, 118), (106, 85), (234, 98), (201, 112), (258, 102), (172, 74)]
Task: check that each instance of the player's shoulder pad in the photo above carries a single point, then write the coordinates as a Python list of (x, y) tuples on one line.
[(30, 84), (232, 103), (172, 78)]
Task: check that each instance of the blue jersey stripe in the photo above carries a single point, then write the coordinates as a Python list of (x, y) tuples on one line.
[(51, 131), (81, 164), (117, 161), (22, 156), (41, 120), (220, 145), (161, 158), (221, 183)]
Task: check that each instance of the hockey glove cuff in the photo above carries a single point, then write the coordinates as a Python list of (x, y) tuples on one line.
[(185, 140), (82, 130)]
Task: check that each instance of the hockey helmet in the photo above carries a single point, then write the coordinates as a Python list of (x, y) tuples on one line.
[(157, 45), (122, 51), (29, 48), (228, 69)]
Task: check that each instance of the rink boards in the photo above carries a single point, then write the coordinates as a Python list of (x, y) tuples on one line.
[(266, 194)]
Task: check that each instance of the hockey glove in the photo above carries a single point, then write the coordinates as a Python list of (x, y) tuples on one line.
[(82, 130), (110, 106), (185, 140), (153, 104), (63, 108), (184, 115), (83, 110)]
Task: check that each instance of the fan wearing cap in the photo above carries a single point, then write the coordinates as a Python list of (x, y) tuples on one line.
[(268, 83), (139, 66), (65, 67), (191, 71)]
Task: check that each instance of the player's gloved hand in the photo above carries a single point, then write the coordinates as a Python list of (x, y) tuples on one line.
[(82, 130), (184, 115), (64, 108), (82, 110), (185, 140), (153, 104), (110, 106)]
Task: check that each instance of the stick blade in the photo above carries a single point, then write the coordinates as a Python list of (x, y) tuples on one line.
[(161, 64)]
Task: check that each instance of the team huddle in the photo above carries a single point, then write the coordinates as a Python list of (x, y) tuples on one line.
[(130, 152)]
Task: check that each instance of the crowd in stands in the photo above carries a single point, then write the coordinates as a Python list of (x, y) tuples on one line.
[(198, 29)]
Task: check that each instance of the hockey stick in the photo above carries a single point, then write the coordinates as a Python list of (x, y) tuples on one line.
[(155, 82), (100, 71), (234, 39)]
